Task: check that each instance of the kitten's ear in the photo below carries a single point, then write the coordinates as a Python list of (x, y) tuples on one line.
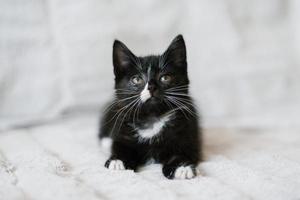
[(176, 52), (122, 57)]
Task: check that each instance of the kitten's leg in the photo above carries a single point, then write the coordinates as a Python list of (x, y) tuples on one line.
[(180, 162), (179, 167), (123, 156), (181, 156)]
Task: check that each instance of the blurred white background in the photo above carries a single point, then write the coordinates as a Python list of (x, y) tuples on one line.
[(55, 56)]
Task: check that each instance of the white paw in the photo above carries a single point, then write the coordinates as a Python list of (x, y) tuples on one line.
[(116, 165), (184, 172)]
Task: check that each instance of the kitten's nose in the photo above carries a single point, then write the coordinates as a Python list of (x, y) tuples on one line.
[(151, 88)]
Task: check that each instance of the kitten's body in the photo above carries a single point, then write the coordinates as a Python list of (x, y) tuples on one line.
[(143, 122)]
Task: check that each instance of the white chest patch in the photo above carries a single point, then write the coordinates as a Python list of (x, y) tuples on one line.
[(155, 129)]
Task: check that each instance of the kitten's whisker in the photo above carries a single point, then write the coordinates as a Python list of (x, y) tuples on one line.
[(129, 110), (109, 106), (181, 102), (184, 107), (168, 104), (115, 102), (139, 109), (173, 110), (180, 86), (177, 88), (178, 106), (127, 90), (120, 113), (183, 90), (117, 113), (171, 107), (136, 110), (187, 101), (177, 94), (184, 100), (127, 98)]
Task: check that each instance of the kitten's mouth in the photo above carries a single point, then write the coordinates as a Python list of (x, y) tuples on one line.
[(152, 100)]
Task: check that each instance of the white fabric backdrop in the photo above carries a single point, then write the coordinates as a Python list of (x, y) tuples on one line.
[(55, 55)]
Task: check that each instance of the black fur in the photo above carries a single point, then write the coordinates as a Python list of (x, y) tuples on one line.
[(179, 142)]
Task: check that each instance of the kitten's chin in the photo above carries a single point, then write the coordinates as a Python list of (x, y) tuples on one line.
[(153, 104), (152, 101)]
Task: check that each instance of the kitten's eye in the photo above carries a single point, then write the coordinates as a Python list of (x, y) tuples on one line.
[(137, 80), (165, 79)]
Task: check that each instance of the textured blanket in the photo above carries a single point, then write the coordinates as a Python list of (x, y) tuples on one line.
[(63, 160)]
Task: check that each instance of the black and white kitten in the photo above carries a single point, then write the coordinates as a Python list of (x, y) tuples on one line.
[(152, 115)]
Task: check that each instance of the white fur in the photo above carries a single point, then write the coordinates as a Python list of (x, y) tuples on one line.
[(155, 128), (106, 143), (116, 165), (145, 94), (184, 172)]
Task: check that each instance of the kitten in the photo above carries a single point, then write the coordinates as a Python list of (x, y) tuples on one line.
[(152, 115)]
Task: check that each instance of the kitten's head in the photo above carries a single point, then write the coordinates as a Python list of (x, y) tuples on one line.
[(150, 81)]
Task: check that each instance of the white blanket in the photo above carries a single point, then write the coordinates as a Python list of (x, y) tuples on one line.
[(63, 160)]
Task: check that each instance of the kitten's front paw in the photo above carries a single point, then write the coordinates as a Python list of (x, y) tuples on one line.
[(114, 164), (181, 172), (184, 172)]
